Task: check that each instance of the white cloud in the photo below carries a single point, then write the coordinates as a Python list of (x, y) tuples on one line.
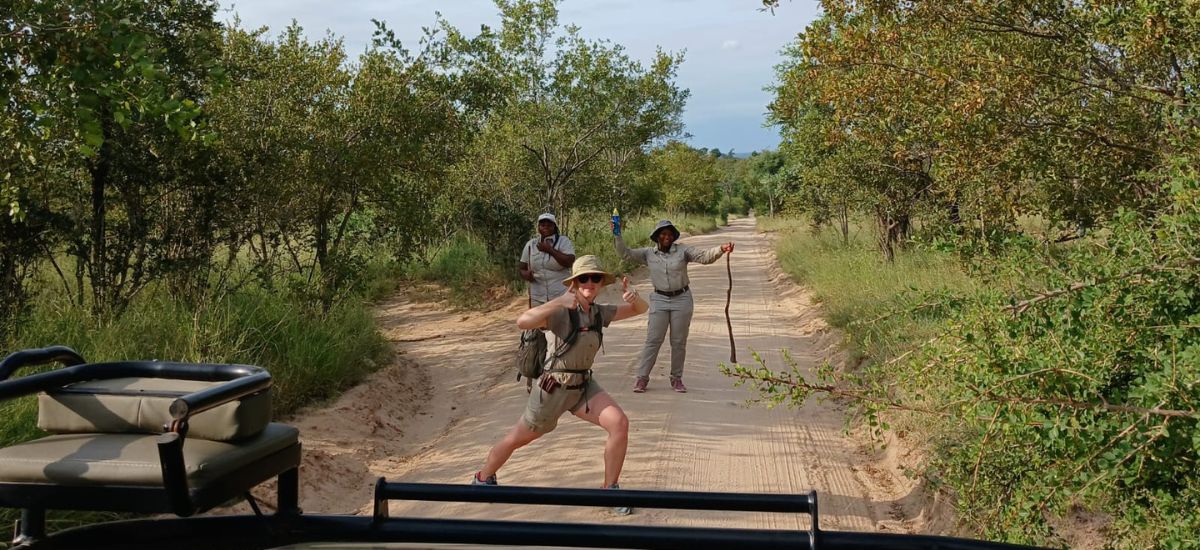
[(731, 45)]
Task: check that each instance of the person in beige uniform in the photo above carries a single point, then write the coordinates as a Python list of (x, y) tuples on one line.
[(568, 385), (546, 261), (671, 304)]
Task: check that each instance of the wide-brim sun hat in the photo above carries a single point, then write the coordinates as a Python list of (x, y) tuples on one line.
[(589, 264), (663, 224)]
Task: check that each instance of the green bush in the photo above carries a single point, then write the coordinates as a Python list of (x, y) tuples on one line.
[(1082, 392), (1053, 379)]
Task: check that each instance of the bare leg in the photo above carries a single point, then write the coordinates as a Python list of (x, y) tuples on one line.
[(603, 411), (519, 436)]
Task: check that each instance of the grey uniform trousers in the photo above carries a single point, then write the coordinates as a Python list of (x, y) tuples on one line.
[(674, 312)]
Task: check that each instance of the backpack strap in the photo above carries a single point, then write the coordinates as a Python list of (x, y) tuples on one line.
[(573, 314), (597, 326)]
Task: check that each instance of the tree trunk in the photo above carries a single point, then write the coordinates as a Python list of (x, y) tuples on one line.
[(100, 170), (888, 233), (321, 250), (844, 223)]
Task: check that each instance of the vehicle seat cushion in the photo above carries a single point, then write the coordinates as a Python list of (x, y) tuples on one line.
[(142, 405), (132, 459)]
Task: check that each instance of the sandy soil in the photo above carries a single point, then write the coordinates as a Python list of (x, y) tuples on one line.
[(451, 393)]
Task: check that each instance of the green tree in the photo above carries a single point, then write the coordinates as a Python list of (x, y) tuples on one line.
[(329, 153), (556, 109), (688, 178), (105, 96)]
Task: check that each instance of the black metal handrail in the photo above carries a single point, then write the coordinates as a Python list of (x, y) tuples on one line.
[(675, 500), (239, 381), (253, 532), (38, 356), (630, 536)]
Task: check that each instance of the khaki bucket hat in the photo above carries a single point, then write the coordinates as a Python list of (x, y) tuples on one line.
[(589, 264)]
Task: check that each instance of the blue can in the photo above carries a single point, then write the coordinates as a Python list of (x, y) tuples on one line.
[(616, 222)]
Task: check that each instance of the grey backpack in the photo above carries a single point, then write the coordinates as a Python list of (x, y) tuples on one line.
[(531, 356)]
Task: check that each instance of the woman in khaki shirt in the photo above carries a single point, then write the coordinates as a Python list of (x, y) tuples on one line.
[(671, 304), (567, 385)]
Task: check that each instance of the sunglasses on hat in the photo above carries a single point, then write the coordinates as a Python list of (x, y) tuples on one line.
[(590, 277)]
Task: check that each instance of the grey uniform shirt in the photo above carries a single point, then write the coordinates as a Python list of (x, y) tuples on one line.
[(668, 270), (582, 353), (548, 274)]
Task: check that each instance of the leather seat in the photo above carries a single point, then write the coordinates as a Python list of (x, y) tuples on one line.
[(143, 436)]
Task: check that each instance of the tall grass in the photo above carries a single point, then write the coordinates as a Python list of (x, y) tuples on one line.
[(885, 309), (470, 275), (311, 355)]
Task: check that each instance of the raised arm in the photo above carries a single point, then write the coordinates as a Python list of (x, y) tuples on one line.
[(707, 255), (536, 317), (633, 255)]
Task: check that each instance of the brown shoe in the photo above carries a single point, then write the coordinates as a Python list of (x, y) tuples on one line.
[(639, 384), (677, 385)]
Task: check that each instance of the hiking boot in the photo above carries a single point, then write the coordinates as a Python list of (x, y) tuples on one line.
[(639, 384), (620, 510), (677, 385), (491, 480)]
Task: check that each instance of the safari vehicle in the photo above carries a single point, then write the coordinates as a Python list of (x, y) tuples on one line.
[(178, 438)]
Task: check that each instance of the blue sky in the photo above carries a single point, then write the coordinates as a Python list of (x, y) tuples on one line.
[(731, 47)]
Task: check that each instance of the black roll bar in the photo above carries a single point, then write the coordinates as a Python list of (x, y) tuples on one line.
[(737, 502), (240, 381), (38, 356)]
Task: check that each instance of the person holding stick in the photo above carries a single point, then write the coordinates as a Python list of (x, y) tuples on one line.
[(567, 384), (671, 303), (545, 260)]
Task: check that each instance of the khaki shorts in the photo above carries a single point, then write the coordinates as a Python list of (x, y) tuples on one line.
[(543, 409)]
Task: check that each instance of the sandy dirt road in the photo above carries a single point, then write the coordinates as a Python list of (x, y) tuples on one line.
[(451, 393)]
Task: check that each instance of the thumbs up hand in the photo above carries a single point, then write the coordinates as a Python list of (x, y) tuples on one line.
[(629, 295)]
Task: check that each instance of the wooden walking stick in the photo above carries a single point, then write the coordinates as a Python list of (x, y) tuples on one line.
[(728, 323)]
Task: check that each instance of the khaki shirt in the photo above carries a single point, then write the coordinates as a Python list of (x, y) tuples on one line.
[(582, 353), (548, 274), (668, 270)]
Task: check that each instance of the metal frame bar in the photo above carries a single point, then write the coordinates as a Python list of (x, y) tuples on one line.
[(675, 500), (251, 532), (174, 495), (38, 356)]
